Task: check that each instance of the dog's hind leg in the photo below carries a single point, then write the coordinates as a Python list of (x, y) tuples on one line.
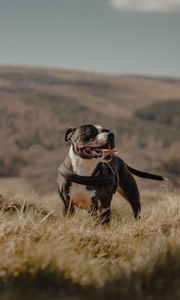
[(129, 190)]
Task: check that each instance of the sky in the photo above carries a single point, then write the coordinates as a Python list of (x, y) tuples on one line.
[(105, 36)]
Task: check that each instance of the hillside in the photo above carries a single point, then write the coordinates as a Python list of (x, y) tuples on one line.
[(46, 256), (38, 105)]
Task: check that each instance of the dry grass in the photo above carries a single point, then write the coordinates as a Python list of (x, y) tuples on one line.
[(77, 258)]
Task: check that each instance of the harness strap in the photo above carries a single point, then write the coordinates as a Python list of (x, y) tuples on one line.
[(89, 180)]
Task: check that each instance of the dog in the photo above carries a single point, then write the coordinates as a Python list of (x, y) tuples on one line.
[(92, 172)]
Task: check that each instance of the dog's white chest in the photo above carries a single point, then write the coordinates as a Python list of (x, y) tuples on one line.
[(80, 196)]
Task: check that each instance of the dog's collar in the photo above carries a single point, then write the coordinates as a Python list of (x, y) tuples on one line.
[(110, 179)]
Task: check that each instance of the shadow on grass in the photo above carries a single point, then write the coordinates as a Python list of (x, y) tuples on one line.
[(160, 282)]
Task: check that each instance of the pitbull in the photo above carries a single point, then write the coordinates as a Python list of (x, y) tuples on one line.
[(92, 172)]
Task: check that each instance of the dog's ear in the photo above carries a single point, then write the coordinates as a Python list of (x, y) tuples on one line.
[(69, 134)]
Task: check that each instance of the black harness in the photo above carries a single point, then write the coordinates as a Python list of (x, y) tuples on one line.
[(109, 179)]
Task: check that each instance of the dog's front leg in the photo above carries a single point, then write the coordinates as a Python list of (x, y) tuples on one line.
[(105, 215), (68, 205)]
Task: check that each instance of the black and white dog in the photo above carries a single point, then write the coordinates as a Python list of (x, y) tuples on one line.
[(92, 172)]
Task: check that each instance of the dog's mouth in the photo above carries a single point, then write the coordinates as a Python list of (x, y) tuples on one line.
[(100, 151)]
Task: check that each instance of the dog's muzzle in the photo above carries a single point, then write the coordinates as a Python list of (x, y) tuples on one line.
[(91, 150)]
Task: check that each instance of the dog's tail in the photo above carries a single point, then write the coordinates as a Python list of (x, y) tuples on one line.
[(145, 175)]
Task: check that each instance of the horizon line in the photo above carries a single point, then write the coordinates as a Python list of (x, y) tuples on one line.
[(90, 72)]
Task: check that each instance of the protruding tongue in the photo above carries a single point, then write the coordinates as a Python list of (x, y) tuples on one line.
[(107, 151)]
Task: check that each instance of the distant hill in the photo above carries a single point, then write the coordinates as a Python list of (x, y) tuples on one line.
[(38, 105), (164, 112)]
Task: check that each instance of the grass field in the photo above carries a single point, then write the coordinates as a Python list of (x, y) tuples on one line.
[(44, 256)]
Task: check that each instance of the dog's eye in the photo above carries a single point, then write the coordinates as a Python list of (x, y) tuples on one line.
[(105, 130), (89, 135)]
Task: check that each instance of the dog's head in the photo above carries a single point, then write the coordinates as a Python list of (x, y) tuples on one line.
[(91, 142)]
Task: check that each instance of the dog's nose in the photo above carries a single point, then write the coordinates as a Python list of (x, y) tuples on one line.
[(111, 137)]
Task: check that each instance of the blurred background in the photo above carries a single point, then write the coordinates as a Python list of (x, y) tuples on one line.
[(65, 63)]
